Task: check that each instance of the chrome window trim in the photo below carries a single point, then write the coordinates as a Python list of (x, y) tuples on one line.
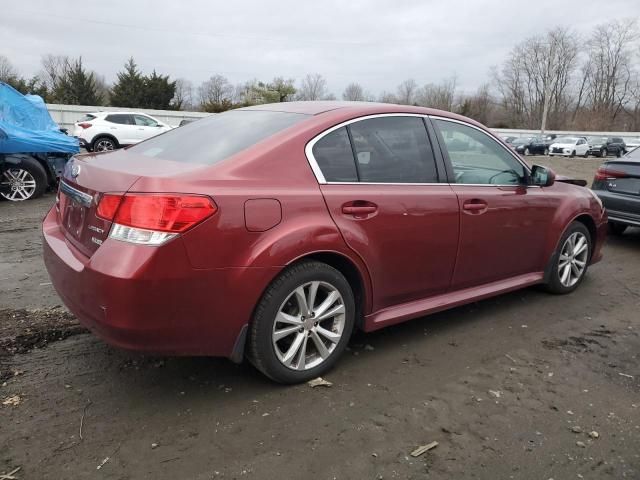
[(308, 150), (82, 198)]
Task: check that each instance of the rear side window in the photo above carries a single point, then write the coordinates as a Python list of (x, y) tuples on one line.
[(335, 158), (393, 150), (121, 119), (88, 117), (217, 137)]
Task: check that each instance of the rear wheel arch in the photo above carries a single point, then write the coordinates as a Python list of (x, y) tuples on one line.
[(104, 135)]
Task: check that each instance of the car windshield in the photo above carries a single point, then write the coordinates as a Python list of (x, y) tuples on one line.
[(217, 137), (596, 140), (566, 140), (521, 141)]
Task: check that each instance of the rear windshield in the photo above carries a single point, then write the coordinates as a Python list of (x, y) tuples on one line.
[(217, 137)]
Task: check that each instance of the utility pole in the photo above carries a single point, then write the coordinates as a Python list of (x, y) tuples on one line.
[(551, 70)]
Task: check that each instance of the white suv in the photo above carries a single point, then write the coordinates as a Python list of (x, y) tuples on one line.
[(102, 131)]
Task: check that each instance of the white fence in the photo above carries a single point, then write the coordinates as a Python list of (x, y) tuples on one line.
[(67, 115)]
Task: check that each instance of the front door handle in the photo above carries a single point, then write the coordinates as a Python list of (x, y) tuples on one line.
[(475, 206)]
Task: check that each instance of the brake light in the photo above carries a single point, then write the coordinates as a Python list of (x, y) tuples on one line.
[(153, 218), (84, 125), (604, 173)]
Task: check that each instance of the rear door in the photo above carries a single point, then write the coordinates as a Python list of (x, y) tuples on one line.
[(503, 222), (146, 127), (380, 182), (121, 126)]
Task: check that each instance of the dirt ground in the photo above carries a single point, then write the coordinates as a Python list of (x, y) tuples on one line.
[(525, 386)]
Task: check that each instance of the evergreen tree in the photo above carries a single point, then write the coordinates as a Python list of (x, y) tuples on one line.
[(158, 92), (76, 86), (129, 90)]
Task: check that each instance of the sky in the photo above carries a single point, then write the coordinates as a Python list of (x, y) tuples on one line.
[(375, 43)]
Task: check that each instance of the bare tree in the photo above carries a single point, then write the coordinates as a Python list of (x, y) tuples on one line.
[(387, 97), (313, 87), (478, 106), (538, 71), (608, 75), (183, 96), (53, 69), (354, 93), (407, 92), (216, 94), (7, 71), (441, 96)]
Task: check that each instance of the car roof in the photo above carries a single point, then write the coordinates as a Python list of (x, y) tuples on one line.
[(117, 112), (354, 109)]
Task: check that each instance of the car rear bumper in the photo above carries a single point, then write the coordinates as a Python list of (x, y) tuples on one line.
[(150, 299), (621, 208)]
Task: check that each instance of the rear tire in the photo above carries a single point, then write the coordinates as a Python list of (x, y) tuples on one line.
[(291, 345), (616, 228), (619, 153), (103, 144), (546, 151), (26, 179), (567, 268), (603, 153)]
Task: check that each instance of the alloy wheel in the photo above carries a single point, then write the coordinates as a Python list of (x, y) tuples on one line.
[(309, 325), (573, 259), (22, 185), (104, 145)]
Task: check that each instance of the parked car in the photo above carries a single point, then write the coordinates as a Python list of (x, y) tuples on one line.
[(520, 142), (104, 131), (569, 147), (631, 143), (537, 145), (509, 139), (273, 231), (603, 146), (33, 150), (617, 183), (185, 121)]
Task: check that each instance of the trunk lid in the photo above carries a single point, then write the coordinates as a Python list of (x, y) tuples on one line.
[(87, 177), (627, 177)]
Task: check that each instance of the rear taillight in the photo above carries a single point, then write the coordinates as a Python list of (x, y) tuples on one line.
[(84, 125), (153, 219), (604, 173)]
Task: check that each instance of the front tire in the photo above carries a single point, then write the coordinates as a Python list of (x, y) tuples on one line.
[(569, 263), (573, 154), (527, 152), (546, 151), (24, 180), (302, 324)]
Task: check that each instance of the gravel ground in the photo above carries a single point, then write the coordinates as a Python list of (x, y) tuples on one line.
[(526, 386)]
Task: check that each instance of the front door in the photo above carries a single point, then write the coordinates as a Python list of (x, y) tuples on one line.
[(503, 222), (381, 187)]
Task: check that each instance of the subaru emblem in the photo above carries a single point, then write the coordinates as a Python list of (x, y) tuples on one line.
[(75, 170)]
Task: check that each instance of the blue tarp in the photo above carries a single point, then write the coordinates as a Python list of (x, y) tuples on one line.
[(27, 127)]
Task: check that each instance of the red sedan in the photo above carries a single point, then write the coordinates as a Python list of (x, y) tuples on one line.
[(271, 232)]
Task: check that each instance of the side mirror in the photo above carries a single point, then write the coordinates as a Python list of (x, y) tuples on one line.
[(542, 176)]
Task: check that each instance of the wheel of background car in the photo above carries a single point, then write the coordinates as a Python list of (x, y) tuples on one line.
[(617, 228), (570, 262), (104, 144), (573, 154), (25, 180), (618, 153), (546, 151), (586, 154), (603, 152), (526, 151), (302, 323)]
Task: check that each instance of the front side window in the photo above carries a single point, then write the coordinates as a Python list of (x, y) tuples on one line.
[(478, 159), (393, 150), (143, 121)]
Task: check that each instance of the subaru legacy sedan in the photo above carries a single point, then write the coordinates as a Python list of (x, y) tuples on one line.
[(272, 232)]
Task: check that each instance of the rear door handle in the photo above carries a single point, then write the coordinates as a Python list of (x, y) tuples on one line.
[(359, 208)]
